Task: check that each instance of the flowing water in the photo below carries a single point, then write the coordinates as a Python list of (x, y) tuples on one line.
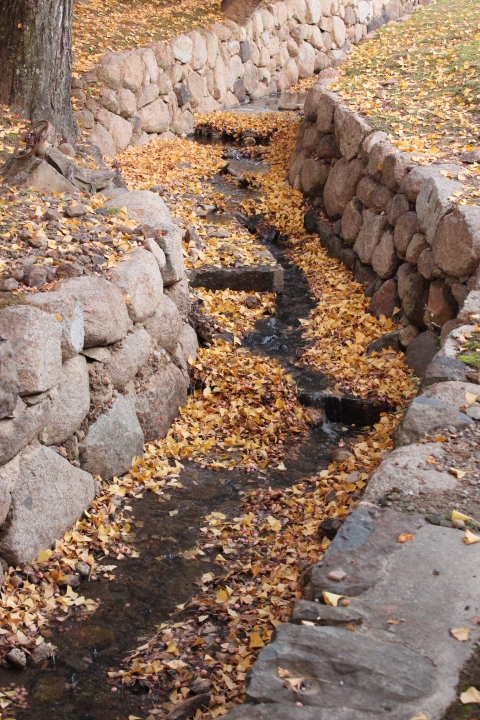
[(73, 686)]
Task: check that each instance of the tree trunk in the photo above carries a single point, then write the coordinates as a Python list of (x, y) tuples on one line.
[(240, 11), (36, 61)]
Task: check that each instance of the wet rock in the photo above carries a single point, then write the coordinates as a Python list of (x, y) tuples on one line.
[(353, 410), (113, 440), (35, 338), (48, 496), (41, 653), (104, 309), (9, 381), (257, 278), (340, 455), (420, 353), (17, 659), (424, 417), (390, 341), (83, 569), (188, 708)]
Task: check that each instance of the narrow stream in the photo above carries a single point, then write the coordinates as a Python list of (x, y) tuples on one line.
[(73, 686)]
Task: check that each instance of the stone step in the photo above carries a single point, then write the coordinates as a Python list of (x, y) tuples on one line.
[(256, 278)]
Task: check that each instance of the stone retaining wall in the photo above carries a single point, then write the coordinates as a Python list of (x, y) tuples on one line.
[(88, 372), (131, 97), (395, 223)]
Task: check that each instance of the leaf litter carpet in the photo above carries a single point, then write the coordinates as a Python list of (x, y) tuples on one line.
[(243, 413)]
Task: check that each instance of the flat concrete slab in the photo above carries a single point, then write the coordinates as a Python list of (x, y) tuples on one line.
[(402, 659)]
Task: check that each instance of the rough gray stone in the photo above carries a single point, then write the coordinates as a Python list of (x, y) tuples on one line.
[(313, 176), (113, 441), (413, 291), (424, 417), (305, 610), (397, 207), (459, 230), (48, 496), (70, 403), (405, 229), (71, 312), (433, 203), (186, 350), (413, 181), (24, 425), (158, 403), (366, 668), (369, 235), (326, 102), (352, 221), (395, 168), (141, 283), (443, 369), (105, 313), (341, 185), (179, 294), (9, 382), (35, 337), (165, 325), (385, 260), (350, 130), (128, 356), (452, 393), (420, 353)]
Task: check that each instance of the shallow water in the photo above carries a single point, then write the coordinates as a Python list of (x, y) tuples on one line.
[(146, 590)]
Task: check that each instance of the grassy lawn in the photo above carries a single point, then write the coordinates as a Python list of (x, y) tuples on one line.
[(100, 26), (419, 79)]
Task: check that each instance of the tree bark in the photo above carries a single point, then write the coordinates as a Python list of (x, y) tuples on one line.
[(240, 10), (36, 61)]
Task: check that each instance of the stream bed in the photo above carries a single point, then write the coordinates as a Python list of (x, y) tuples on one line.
[(73, 685)]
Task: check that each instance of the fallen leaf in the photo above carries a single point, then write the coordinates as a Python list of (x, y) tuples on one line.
[(472, 695), (470, 538), (456, 515), (331, 598), (256, 641), (470, 398), (458, 473), (460, 634), (404, 537)]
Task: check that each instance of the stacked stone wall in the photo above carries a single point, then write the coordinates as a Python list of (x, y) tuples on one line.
[(395, 223), (89, 371), (131, 97)]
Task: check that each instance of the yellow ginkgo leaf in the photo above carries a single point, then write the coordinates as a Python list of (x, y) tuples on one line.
[(275, 524), (460, 634), (331, 598), (419, 716), (459, 516), (256, 641), (470, 538), (470, 398), (472, 695), (458, 473), (222, 597)]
